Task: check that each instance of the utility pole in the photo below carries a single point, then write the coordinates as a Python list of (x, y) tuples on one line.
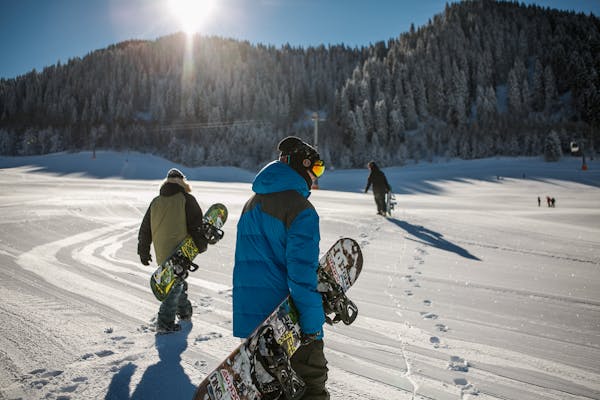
[(316, 119), (580, 147)]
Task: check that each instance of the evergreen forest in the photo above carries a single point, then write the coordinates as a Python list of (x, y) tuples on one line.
[(483, 78)]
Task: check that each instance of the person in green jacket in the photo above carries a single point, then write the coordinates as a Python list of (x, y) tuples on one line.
[(171, 216)]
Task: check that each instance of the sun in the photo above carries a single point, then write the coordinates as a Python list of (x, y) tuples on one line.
[(192, 14)]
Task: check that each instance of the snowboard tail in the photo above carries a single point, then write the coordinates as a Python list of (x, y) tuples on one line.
[(390, 203)]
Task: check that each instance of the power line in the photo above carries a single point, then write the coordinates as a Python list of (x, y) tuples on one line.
[(211, 125)]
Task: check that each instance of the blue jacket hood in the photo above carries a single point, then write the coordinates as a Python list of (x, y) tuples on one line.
[(279, 177)]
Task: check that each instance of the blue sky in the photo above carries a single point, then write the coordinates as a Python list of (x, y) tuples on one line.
[(38, 33)]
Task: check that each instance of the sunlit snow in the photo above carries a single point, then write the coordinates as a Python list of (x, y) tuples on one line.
[(470, 290)]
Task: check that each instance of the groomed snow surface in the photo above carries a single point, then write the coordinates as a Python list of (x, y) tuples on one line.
[(469, 291)]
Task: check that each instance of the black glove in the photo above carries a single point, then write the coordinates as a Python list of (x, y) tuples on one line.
[(145, 259), (308, 338)]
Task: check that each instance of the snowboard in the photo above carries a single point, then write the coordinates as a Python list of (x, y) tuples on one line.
[(390, 202), (259, 368), (177, 265)]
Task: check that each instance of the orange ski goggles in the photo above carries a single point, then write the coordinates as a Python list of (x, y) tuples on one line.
[(317, 168)]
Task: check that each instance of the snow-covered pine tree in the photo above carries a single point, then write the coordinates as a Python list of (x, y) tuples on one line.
[(552, 147)]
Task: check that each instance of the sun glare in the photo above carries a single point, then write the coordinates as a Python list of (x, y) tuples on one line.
[(192, 14)]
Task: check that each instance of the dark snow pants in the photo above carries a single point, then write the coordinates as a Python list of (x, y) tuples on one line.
[(176, 303), (309, 362), (380, 202)]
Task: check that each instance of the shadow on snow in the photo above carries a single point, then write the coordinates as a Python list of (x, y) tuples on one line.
[(431, 238), (163, 380)]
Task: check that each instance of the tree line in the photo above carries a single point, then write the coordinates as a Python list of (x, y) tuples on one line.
[(483, 78)]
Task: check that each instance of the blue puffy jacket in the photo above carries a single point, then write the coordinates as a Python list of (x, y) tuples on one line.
[(277, 252)]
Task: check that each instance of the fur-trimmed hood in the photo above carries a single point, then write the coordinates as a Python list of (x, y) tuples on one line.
[(170, 186)]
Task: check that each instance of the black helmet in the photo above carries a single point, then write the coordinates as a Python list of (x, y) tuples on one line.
[(295, 147), (301, 157)]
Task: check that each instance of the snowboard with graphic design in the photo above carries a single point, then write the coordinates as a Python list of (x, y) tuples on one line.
[(259, 368), (177, 265)]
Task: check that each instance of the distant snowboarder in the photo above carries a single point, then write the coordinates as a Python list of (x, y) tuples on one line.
[(380, 186)]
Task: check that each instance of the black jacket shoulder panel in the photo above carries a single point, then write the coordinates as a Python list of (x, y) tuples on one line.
[(285, 206)]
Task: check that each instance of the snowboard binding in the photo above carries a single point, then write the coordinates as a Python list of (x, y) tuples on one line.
[(336, 302), (182, 266), (212, 234), (273, 360)]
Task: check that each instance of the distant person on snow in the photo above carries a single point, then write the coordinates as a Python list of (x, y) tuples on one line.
[(171, 216), (277, 254), (539, 201), (380, 186)]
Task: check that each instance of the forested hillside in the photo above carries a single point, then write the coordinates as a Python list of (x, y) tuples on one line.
[(482, 78)]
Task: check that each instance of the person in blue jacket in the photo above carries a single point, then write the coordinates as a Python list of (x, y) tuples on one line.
[(277, 254)]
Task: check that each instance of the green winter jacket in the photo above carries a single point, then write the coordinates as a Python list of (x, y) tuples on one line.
[(167, 223), (170, 217)]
